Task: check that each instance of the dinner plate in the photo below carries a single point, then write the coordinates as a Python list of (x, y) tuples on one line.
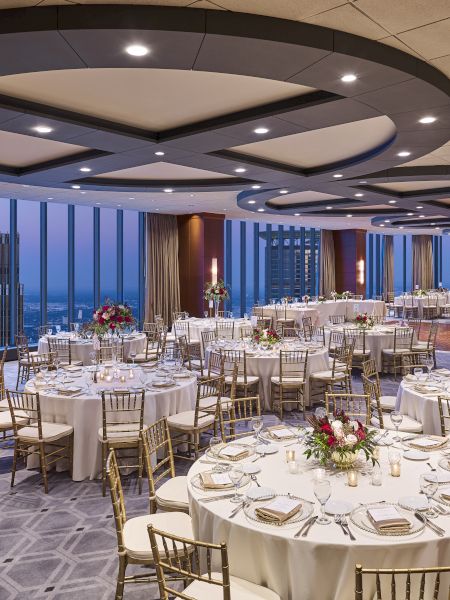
[(444, 463), (266, 449), (360, 519), (251, 469), (260, 493), (338, 507), (413, 502), (162, 384), (441, 477), (416, 455)]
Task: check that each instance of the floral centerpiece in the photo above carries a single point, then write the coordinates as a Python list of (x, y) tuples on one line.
[(111, 318), (364, 321), (420, 293), (334, 295), (321, 299), (346, 295), (286, 299), (306, 298), (216, 293), (339, 440), (267, 337)]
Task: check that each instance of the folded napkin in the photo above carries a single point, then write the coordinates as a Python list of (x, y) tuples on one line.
[(72, 368), (215, 481), (445, 495), (279, 510), (428, 443), (444, 372), (280, 432), (387, 519), (68, 391), (233, 452)]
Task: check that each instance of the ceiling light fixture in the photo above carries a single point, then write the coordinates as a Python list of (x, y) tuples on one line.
[(437, 227), (349, 216), (131, 198), (422, 216), (381, 224), (329, 207), (168, 190), (159, 153), (392, 201), (256, 187), (401, 227), (42, 129), (359, 195), (85, 169), (419, 207), (284, 191), (240, 170), (261, 130), (349, 78), (76, 187), (433, 223), (50, 198), (82, 192), (427, 120), (296, 214), (403, 153), (387, 220), (260, 210), (410, 215), (338, 175), (137, 50), (252, 201)]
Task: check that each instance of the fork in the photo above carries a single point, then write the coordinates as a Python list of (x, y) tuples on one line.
[(431, 466), (337, 520), (253, 478), (344, 523)]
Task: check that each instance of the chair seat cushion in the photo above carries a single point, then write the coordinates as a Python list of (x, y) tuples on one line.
[(240, 590), (4, 404), (327, 375), (173, 494), (122, 432), (185, 420), (136, 538), (422, 346), (210, 402), (360, 352), (50, 432), (251, 379), (409, 425), (293, 381), (388, 402), (6, 421), (390, 351)]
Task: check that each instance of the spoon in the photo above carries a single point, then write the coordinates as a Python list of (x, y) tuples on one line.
[(253, 478)]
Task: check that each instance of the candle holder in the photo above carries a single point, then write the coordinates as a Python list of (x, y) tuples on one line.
[(395, 463), (377, 476), (122, 379), (131, 374), (376, 453), (108, 378), (319, 474), (352, 478), (293, 467), (290, 455)]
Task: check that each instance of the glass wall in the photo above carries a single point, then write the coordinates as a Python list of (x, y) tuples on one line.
[(57, 266), (28, 231), (84, 263), (131, 259), (108, 253)]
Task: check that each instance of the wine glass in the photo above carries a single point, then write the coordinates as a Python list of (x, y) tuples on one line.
[(58, 329), (417, 372), (322, 491), (429, 485), (396, 419), (429, 361), (214, 443), (236, 475), (133, 356), (257, 424)]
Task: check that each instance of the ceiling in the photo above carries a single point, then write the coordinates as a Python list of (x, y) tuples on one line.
[(210, 80)]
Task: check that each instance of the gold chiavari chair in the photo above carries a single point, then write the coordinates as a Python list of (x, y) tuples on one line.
[(291, 333), (110, 351), (258, 311), (152, 350), (412, 361), (208, 337), (186, 427), (172, 493), (413, 586), (225, 330), (215, 364), (184, 328), (62, 349), (337, 319), (428, 347), (369, 367), (306, 321), (245, 382), (416, 326), (264, 322), (3, 401), (23, 359), (382, 420), (430, 308), (44, 330), (205, 585), (246, 331), (51, 442), (289, 386), (133, 545), (336, 378), (361, 353), (213, 398), (149, 327), (281, 318), (356, 406), (314, 334), (45, 359), (444, 414), (378, 319), (122, 428), (236, 422), (410, 308), (336, 340), (394, 357), (180, 315)]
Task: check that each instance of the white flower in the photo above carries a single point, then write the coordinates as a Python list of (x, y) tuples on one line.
[(351, 439), (336, 425), (105, 316), (355, 425)]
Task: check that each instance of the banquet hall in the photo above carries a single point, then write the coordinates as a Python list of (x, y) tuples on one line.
[(224, 299)]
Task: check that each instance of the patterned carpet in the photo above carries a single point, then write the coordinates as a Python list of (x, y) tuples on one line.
[(63, 546)]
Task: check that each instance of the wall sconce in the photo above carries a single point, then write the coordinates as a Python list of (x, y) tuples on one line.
[(214, 270), (360, 271)]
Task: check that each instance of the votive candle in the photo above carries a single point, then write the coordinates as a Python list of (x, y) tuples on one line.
[(122, 379), (395, 469), (290, 455), (131, 374), (293, 467), (352, 478)]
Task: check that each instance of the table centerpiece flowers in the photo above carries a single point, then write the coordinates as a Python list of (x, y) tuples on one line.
[(265, 337), (112, 317), (286, 300), (420, 293), (216, 293), (321, 299), (339, 440), (306, 298), (346, 295), (364, 321)]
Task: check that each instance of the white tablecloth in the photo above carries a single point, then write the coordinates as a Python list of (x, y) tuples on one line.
[(320, 566), (197, 326), (423, 408), (84, 413), (320, 312), (420, 301), (82, 348)]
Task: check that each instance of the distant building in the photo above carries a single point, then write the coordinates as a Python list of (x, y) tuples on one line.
[(5, 321)]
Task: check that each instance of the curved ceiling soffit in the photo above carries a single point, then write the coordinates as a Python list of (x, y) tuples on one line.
[(388, 83)]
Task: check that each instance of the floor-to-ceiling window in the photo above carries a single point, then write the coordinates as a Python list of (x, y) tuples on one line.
[(57, 269), (131, 259), (28, 231), (84, 267)]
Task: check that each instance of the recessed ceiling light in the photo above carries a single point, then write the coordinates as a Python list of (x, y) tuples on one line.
[(136, 50), (119, 205), (419, 207), (349, 78), (284, 191), (240, 170), (75, 187), (381, 224), (422, 216), (392, 201), (168, 190), (260, 210), (427, 120), (82, 192), (338, 175), (349, 216), (359, 195), (156, 208), (43, 129), (296, 214), (25, 185), (433, 223), (401, 227), (256, 187), (437, 227), (97, 203), (387, 220), (159, 153), (410, 214), (261, 130), (363, 182), (85, 169), (49, 198), (131, 198), (329, 207), (252, 201), (403, 153)]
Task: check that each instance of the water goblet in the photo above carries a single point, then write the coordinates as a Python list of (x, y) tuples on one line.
[(214, 443), (322, 491), (58, 329), (257, 424), (429, 361), (133, 356), (428, 485), (205, 313), (417, 372), (236, 474), (396, 419)]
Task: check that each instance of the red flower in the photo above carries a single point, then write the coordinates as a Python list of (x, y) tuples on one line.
[(105, 308), (120, 319), (326, 428), (112, 326), (101, 320), (331, 440), (128, 319)]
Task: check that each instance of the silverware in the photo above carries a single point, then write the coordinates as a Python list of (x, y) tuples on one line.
[(431, 466), (437, 530), (305, 533), (238, 509), (440, 508), (337, 520), (260, 455), (216, 498), (304, 526), (253, 478), (344, 523)]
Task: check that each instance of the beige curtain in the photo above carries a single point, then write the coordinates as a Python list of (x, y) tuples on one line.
[(388, 264), (422, 261), (162, 294), (327, 263)]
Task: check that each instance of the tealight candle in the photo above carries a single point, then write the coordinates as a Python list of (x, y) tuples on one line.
[(352, 478), (395, 469), (122, 379), (377, 476), (319, 474), (131, 374), (108, 378), (290, 455), (106, 372), (394, 461), (101, 376), (293, 467)]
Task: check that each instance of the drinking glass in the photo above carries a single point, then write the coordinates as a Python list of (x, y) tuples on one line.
[(320, 412), (143, 377), (133, 356), (246, 316), (236, 475), (429, 361), (89, 334), (429, 485), (58, 328), (257, 424), (205, 314), (417, 372), (322, 491), (396, 418), (214, 443)]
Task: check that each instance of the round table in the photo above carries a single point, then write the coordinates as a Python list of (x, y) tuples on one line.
[(420, 301), (197, 326), (266, 364), (81, 348), (84, 412), (322, 564), (414, 400)]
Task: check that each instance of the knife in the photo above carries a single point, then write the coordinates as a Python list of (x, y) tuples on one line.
[(305, 525), (438, 530), (305, 533), (237, 509), (222, 497)]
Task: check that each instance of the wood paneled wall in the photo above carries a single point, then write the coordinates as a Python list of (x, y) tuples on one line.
[(350, 249)]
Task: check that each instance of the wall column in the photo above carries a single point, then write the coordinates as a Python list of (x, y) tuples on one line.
[(350, 253), (200, 239)]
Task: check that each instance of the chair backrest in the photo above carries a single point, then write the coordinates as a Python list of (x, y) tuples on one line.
[(407, 584), (232, 357), (246, 331), (293, 364), (354, 405), (158, 455), (62, 348), (215, 364), (149, 327), (181, 314), (415, 325), (390, 297), (234, 422), (378, 319), (306, 321), (291, 332), (403, 337), (116, 491), (44, 329), (210, 389), (23, 351), (444, 414), (314, 334), (258, 311), (44, 359), (264, 322), (122, 413), (357, 337), (169, 555), (432, 334), (20, 402), (182, 328), (225, 329), (337, 319), (413, 360), (369, 367), (371, 388), (2, 372), (336, 340), (110, 350), (207, 338)]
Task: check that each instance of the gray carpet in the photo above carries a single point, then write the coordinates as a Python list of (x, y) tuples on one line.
[(63, 546)]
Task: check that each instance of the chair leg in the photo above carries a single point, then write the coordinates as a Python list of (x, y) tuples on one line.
[(121, 577), (14, 464), (43, 466), (103, 469), (71, 455), (141, 466)]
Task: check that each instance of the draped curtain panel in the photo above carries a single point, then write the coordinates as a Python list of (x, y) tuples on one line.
[(327, 263), (422, 261), (388, 264), (162, 294)]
